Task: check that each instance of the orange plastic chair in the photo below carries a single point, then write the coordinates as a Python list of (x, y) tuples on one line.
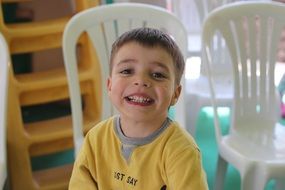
[(4, 64), (27, 140)]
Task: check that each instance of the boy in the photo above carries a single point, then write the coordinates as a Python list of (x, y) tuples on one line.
[(141, 148)]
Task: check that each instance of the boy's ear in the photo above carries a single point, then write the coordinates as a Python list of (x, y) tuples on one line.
[(176, 95), (109, 84)]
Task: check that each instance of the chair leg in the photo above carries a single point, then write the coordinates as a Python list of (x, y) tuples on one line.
[(193, 108), (222, 166), (254, 179)]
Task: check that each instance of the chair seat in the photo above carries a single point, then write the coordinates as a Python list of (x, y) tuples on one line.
[(251, 145), (200, 87)]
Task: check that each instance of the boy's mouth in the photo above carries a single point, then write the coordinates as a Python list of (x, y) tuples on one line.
[(141, 100)]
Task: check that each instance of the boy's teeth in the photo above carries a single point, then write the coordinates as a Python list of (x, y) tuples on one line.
[(139, 99)]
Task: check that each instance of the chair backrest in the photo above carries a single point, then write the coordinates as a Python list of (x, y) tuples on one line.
[(4, 60), (206, 6), (221, 58), (104, 24), (252, 31), (196, 10), (193, 14)]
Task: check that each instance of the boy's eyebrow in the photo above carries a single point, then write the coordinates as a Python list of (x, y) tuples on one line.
[(159, 64), (126, 61)]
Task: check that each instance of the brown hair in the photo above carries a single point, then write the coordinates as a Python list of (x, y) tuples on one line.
[(152, 37)]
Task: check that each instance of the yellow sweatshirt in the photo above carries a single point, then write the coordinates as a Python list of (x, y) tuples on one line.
[(168, 159)]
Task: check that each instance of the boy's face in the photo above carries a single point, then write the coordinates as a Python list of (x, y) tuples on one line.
[(142, 82)]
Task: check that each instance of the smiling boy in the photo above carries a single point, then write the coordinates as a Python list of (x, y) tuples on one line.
[(141, 148)]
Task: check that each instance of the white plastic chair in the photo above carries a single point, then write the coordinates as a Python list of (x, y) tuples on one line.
[(192, 14), (103, 25), (4, 60), (255, 144)]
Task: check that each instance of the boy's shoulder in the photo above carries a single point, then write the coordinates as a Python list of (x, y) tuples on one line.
[(102, 127), (178, 144), (179, 139)]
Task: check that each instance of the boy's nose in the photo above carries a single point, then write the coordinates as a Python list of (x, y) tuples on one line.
[(142, 82)]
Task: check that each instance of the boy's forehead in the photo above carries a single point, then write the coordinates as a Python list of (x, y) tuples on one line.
[(132, 46), (134, 50)]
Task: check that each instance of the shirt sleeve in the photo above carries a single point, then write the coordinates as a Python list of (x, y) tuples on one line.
[(185, 171), (83, 176)]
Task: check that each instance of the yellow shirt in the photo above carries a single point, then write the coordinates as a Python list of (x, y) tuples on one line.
[(170, 161)]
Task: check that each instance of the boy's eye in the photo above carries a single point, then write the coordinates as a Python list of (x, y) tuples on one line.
[(126, 71), (158, 75)]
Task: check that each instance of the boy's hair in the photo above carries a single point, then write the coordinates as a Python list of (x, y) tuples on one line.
[(152, 37)]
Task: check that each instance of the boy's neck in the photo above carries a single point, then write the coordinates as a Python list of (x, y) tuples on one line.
[(140, 129)]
